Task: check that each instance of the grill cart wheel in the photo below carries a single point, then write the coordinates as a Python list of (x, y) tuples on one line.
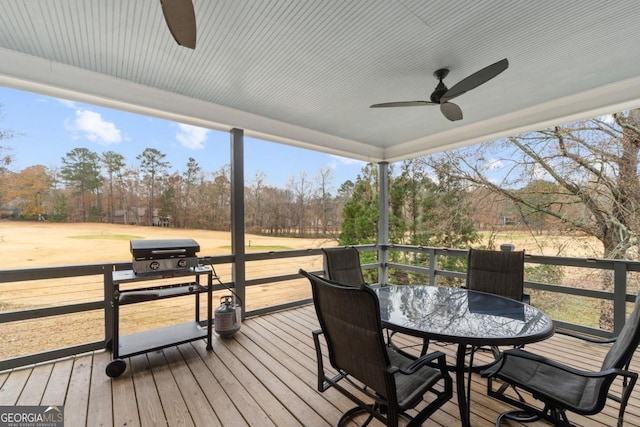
[(115, 368)]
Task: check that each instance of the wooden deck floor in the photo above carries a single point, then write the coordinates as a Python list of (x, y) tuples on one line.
[(263, 376)]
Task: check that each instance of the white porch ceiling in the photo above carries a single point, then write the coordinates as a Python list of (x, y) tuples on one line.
[(305, 72)]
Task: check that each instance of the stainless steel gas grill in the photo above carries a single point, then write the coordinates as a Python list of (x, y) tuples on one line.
[(154, 256)]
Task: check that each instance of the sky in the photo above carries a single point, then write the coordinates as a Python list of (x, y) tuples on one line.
[(47, 128)]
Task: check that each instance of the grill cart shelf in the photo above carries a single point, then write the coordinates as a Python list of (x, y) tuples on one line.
[(155, 339)]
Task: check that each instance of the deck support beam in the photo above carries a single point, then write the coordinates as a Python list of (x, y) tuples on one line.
[(383, 222), (238, 271)]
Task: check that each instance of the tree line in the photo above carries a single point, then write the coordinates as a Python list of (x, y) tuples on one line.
[(98, 187)]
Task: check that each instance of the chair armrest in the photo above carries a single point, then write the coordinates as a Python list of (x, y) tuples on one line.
[(511, 356), (425, 360), (584, 337)]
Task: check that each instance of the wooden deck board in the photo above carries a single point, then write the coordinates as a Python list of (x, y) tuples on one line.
[(263, 376), (172, 401), (124, 400), (147, 397), (35, 386), (58, 381), (208, 388), (13, 386), (242, 399), (100, 405)]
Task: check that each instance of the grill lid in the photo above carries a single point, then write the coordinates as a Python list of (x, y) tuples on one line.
[(165, 248)]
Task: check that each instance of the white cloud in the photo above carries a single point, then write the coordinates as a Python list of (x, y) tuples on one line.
[(192, 137), (93, 127), (67, 103), (348, 161)]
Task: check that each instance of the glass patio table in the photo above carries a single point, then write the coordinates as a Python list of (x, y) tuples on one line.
[(463, 317)]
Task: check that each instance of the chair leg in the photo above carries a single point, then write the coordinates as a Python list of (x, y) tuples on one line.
[(425, 347), (526, 412), (353, 412), (518, 416), (627, 387)]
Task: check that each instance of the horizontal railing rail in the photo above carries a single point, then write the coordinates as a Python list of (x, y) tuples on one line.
[(100, 302)]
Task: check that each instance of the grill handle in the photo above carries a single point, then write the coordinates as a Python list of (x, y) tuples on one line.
[(168, 251)]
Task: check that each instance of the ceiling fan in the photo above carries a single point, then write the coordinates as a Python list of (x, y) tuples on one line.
[(181, 20), (442, 95)]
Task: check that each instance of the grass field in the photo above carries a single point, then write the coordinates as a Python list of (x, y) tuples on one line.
[(43, 244), (40, 244)]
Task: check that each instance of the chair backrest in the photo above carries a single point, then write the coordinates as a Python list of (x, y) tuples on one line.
[(496, 272), (350, 320), (343, 265), (625, 345)]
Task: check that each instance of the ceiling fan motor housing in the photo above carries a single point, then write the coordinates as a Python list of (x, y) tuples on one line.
[(441, 89)]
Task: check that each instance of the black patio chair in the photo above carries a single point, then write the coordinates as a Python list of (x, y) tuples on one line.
[(343, 265), (393, 381), (499, 273), (496, 272), (560, 388)]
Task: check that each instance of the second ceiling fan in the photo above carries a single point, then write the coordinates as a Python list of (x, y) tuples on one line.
[(442, 95)]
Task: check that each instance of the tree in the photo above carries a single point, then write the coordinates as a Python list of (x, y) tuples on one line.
[(592, 168), (428, 207), (190, 178), (5, 156), (538, 193), (215, 200), (278, 206), (405, 194), (27, 191), (5, 161), (169, 212), (113, 163), (129, 187), (153, 166), (301, 190), (360, 214), (255, 203), (81, 169), (323, 205), (447, 211)]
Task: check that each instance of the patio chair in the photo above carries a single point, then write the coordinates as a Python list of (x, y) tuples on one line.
[(343, 265), (496, 272), (392, 381), (562, 388)]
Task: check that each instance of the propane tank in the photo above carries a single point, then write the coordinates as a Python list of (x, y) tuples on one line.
[(227, 317)]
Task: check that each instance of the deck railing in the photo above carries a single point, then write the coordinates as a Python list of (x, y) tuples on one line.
[(52, 312)]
